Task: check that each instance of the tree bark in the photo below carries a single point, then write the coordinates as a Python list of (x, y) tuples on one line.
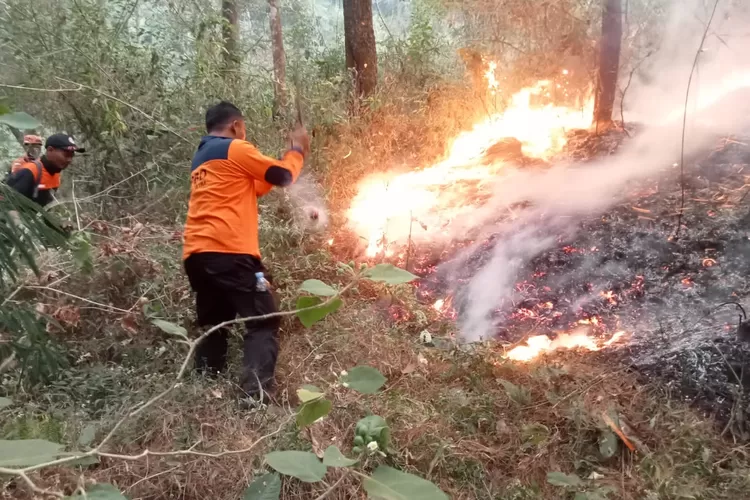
[(361, 53), (609, 62), (279, 59), (230, 33)]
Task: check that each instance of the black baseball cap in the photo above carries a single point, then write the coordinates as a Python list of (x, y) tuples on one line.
[(63, 141)]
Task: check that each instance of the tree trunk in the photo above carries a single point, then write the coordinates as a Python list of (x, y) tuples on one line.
[(361, 54), (279, 60), (230, 33), (609, 62)]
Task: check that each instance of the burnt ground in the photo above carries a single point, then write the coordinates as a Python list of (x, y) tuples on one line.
[(626, 270)]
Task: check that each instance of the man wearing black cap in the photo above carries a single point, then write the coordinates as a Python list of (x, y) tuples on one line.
[(39, 179)]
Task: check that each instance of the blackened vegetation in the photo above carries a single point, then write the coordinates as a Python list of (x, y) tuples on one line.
[(623, 270)]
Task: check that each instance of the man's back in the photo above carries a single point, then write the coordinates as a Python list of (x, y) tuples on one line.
[(226, 178)]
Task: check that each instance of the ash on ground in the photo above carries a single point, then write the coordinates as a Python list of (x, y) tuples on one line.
[(630, 270)]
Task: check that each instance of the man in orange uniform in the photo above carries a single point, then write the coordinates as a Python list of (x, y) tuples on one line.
[(221, 251), (39, 179), (32, 146)]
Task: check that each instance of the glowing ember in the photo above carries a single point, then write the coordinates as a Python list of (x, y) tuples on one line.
[(610, 296), (709, 262), (438, 305), (421, 204), (540, 344)]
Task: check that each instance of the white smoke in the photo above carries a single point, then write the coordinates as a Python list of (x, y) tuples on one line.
[(560, 198)]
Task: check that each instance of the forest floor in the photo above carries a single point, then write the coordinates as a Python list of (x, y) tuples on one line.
[(475, 423)]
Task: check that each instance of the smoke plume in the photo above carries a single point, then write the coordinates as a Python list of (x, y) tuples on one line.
[(558, 199)]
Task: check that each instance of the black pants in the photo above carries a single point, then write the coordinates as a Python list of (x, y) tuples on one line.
[(225, 286)]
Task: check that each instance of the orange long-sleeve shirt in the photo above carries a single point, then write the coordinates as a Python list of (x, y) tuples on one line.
[(227, 178)]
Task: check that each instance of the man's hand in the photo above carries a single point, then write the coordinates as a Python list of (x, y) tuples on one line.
[(298, 138)]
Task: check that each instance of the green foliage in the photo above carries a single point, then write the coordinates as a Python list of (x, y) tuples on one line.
[(309, 393), (100, 492), (518, 394), (364, 379), (80, 248), (313, 314), (87, 435), (387, 483), (19, 120), (170, 328), (265, 487), (41, 357), (310, 411), (300, 464), (333, 457), (608, 444), (389, 274), (27, 452), (317, 287), (372, 428), (566, 480)]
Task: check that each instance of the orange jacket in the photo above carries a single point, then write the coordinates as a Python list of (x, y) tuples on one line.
[(48, 181), (227, 178)]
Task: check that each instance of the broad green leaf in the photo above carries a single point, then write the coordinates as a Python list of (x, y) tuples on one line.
[(333, 457), (317, 287), (306, 395), (27, 452), (170, 328), (266, 487), (4, 402), (389, 274), (387, 483), (303, 465), (101, 492), (310, 412), (608, 444), (517, 393), (560, 479), (87, 435), (19, 120), (311, 316), (311, 388), (364, 379), (534, 434)]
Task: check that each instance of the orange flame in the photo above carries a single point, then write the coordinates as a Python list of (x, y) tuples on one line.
[(392, 208), (539, 344)]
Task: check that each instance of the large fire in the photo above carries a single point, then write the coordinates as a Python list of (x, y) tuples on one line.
[(539, 344), (390, 209)]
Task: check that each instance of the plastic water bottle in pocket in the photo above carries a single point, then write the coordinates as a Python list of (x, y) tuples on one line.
[(261, 284)]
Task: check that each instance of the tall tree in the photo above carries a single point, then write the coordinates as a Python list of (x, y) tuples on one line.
[(609, 62), (230, 32), (279, 59), (361, 54)]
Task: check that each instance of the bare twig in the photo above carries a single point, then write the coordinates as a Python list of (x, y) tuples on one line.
[(334, 486), (82, 299), (684, 120)]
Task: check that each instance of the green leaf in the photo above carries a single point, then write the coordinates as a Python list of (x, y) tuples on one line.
[(170, 328), (19, 120), (364, 379), (608, 444), (310, 412), (517, 393), (300, 464), (27, 452), (5, 402), (312, 316), (306, 395), (87, 435), (317, 287), (265, 487), (390, 484), (534, 434), (560, 479), (389, 274), (101, 492), (333, 457)]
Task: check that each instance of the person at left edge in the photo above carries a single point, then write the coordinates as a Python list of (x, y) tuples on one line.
[(39, 179), (32, 147)]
